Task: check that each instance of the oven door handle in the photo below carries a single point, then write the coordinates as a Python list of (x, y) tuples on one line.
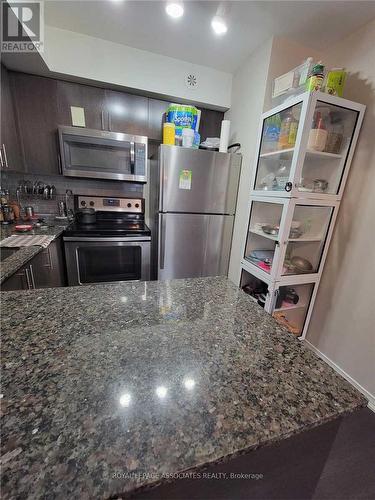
[(132, 157), (133, 239)]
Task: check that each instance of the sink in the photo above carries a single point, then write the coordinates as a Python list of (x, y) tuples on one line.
[(7, 252)]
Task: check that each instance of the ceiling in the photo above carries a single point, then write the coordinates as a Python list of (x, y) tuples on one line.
[(145, 25)]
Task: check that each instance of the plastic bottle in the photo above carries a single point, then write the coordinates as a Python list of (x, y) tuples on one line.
[(169, 130), (288, 131), (318, 134), (271, 133)]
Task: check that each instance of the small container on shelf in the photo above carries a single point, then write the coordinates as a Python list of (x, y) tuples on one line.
[(335, 134), (335, 81), (318, 134)]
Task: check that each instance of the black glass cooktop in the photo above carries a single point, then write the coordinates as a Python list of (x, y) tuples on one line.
[(106, 228)]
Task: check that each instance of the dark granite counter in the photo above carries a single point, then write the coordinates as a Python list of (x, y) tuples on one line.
[(14, 262), (111, 387)]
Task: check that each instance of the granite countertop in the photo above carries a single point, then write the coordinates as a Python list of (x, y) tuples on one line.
[(15, 261), (111, 387)]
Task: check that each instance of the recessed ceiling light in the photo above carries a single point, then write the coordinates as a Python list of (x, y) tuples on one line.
[(219, 25), (175, 9)]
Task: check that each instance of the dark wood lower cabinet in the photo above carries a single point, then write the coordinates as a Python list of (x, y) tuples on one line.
[(20, 280), (45, 270)]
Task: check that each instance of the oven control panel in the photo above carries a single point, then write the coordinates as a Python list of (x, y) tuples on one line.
[(110, 204)]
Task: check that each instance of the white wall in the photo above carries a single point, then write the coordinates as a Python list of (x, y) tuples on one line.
[(248, 91), (342, 326), (99, 60)]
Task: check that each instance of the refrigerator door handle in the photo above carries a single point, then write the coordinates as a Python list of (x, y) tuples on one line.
[(161, 180), (162, 241)]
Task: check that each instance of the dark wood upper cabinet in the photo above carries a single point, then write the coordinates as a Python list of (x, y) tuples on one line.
[(91, 99), (36, 108), (127, 113), (156, 111), (9, 141), (33, 107), (210, 124)]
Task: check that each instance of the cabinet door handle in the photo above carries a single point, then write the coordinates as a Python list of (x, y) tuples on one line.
[(103, 120), (50, 264), (1, 158), (32, 276), (28, 278), (60, 163), (5, 157)]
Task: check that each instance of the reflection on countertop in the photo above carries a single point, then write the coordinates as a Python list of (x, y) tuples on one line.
[(111, 387), (12, 263)]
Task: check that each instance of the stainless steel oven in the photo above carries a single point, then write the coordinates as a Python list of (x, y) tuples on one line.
[(92, 260), (114, 246), (102, 155)]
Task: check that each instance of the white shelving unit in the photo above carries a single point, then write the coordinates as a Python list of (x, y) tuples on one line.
[(298, 182)]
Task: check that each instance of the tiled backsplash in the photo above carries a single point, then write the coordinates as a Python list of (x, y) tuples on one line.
[(93, 187)]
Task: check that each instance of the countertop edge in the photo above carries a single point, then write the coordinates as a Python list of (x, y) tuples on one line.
[(128, 493), (22, 256)]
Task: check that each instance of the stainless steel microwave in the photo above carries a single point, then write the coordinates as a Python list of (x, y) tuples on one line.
[(102, 155)]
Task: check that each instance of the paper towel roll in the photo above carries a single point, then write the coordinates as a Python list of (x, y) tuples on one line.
[(224, 136)]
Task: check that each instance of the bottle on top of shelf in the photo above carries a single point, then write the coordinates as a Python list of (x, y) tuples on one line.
[(316, 78)]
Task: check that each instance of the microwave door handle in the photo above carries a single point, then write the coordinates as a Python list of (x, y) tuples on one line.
[(132, 157)]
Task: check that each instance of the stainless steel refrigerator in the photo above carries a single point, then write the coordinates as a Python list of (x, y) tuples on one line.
[(193, 201)]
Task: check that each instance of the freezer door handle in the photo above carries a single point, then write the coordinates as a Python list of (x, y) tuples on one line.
[(162, 241)]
